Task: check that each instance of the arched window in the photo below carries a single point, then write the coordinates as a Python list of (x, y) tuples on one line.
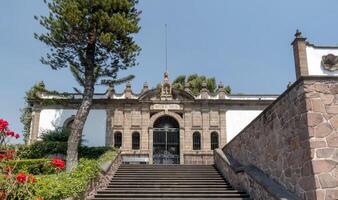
[(117, 139), (214, 140), (68, 123), (136, 141), (196, 141)]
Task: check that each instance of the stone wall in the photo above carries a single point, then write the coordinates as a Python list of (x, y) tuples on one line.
[(198, 159), (295, 140)]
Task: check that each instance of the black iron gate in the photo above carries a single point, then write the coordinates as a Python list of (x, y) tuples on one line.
[(166, 146)]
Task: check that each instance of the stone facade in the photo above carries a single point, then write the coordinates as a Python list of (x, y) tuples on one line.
[(294, 141), (205, 114), (128, 113)]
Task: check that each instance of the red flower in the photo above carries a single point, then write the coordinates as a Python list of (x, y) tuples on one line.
[(10, 133), (58, 163), (40, 198), (21, 178), (2, 156), (3, 195), (17, 136), (3, 125), (9, 154), (8, 169)]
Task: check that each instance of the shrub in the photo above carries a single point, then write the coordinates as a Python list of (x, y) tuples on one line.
[(57, 135), (12, 186), (42, 149), (64, 185), (92, 152), (31, 166)]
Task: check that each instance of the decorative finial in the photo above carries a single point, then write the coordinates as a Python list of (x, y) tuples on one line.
[(110, 90), (298, 34), (41, 84), (145, 87), (145, 84), (220, 85), (128, 86)]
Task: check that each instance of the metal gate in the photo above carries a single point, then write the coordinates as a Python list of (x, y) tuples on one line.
[(166, 146)]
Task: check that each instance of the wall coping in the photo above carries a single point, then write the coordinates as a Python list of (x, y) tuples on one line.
[(296, 83), (273, 188)]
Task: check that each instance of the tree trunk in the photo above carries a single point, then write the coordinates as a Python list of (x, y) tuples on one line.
[(76, 130), (82, 113)]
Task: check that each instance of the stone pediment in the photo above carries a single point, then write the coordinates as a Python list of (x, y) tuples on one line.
[(155, 95)]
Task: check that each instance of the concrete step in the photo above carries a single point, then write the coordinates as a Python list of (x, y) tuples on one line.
[(172, 191), (185, 186), (171, 195), (154, 189), (167, 178), (169, 182), (186, 198)]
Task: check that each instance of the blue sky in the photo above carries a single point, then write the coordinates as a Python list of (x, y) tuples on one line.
[(245, 44)]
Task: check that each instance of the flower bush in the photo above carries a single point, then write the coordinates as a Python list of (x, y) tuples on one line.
[(12, 186)]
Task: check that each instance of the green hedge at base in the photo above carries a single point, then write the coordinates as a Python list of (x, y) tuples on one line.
[(32, 166), (42, 149), (64, 185)]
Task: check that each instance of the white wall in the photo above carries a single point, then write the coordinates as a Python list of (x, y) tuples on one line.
[(314, 59), (94, 131), (236, 120)]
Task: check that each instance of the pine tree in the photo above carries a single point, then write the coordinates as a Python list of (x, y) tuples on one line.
[(195, 83), (94, 38)]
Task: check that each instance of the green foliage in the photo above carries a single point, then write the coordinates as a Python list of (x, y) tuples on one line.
[(42, 149), (26, 112), (32, 166), (63, 185), (95, 34), (93, 152), (57, 135), (26, 119), (195, 83)]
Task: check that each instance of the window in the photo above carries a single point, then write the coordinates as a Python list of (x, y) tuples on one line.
[(135, 140), (196, 141), (117, 139), (68, 123), (214, 140)]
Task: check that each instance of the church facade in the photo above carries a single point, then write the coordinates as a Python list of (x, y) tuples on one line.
[(159, 126)]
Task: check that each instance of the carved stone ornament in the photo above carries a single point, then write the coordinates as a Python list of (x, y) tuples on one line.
[(330, 62)]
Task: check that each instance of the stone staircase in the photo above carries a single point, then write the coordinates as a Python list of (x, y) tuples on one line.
[(169, 182)]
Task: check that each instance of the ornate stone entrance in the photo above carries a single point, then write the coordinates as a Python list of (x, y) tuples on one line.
[(166, 141)]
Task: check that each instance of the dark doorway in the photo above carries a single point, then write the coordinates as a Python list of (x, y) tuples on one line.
[(166, 141)]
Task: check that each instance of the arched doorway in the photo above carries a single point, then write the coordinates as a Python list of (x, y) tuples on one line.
[(166, 141)]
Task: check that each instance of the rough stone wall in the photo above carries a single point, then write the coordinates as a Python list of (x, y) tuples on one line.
[(294, 141), (241, 180), (322, 115)]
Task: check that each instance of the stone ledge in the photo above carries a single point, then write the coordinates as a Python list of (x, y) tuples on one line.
[(271, 187)]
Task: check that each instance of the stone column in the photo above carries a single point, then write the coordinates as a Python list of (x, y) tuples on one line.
[(182, 143), (223, 133), (109, 119), (205, 128), (150, 145), (126, 129), (145, 116), (187, 129), (35, 125), (299, 50)]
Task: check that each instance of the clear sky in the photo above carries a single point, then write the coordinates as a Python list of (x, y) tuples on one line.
[(245, 44)]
